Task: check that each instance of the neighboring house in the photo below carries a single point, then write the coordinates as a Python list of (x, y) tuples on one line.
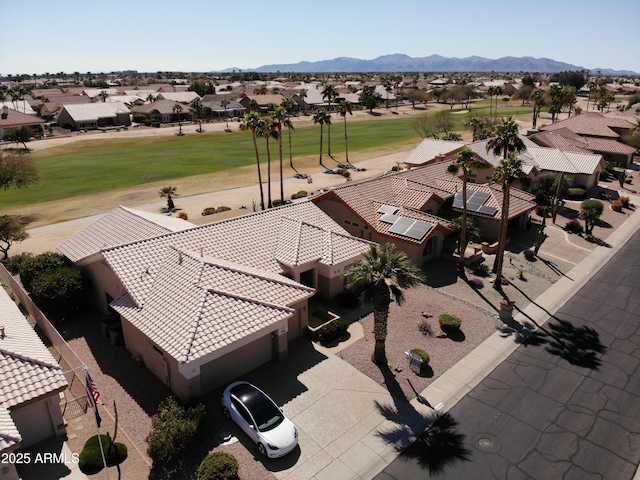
[(264, 101), (30, 388), (432, 150), (234, 109), (599, 132), (203, 305), (94, 115), (10, 118), (178, 97), (163, 111), (580, 169)]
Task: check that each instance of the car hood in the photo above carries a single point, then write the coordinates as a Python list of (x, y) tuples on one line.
[(282, 436)]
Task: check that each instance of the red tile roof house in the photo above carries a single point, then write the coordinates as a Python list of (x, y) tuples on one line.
[(206, 304), (10, 118), (589, 132), (30, 384), (404, 207)]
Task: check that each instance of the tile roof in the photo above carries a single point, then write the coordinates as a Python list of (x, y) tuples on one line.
[(9, 434), (566, 140), (555, 160), (519, 201), (429, 148), (86, 112), (480, 149), (591, 124), (121, 225), (197, 305), (16, 119), (27, 368)]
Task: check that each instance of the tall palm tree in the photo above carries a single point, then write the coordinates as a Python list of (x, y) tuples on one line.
[(103, 95), (225, 103), (322, 117), (497, 91), (291, 107), (476, 124), (506, 139), (537, 99), (177, 109), (464, 163), (251, 122), (345, 108), (169, 192), (381, 275), (303, 94), (197, 107), (491, 92), (507, 173), (279, 117), (329, 93), (267, 129)]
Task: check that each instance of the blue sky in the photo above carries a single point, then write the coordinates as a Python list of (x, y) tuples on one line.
[(41, 36)]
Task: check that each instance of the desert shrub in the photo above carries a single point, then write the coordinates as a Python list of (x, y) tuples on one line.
[(449, 323), (521, 274), (624, 201), (574, 226), (139, 117), (183, 216), (172, 429), (218, 466), (418, 352), (44, 263), (476, 282), (425, 328), (616, 206), (481, 270), (346, 174), (529, 254), (333, 330), (223, 208), (90, 459), (279, 203), (577, 193), (209, 211), (301, 194)]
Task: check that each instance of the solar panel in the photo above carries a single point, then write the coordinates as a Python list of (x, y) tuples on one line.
[(387, 209), (487, 210), (475, 200), (401, 225), (388, 218), (418, 230)]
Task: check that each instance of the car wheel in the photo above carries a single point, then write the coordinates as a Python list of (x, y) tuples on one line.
[(262, 450), (226, 412)]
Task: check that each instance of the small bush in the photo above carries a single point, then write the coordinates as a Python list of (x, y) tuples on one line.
[(616, 206), (577, 193), (90, 459), (604, 175), (139, 117), (476, 282), (279, 203), (449, 323), (346, 173), (574, 226), (301, 194), (14, 263), (333, 330), (218, 466), (172, 429), (529, 254), (183, 216), (418, 352), (212, 210), (541, 210), (481, 270), (425, 328), (624, 201), (521, 274), (223, 208)]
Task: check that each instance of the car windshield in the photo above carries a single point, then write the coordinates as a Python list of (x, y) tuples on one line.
[(265, 413)]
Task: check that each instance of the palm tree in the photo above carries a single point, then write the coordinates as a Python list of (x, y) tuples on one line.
[(506, 139), (103, 95), (279, 116), (291, 107), (252, 122), (346, 108), (177, 108), (322, 117), (168, 192), (268, 130), (303, 94), (476, 124), (537, 98), (151, 98), (381, 275), (329, 92), (197, 107), (225, 103), (497, 91), (507, 173), (491, 92), (465, 162)]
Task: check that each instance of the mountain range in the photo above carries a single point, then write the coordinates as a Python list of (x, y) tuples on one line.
[(434, 63)]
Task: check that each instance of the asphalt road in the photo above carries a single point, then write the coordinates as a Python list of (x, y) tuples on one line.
[(565, 405)]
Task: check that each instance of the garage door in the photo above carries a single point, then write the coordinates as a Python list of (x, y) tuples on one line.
[(33, 422), (236, 363)]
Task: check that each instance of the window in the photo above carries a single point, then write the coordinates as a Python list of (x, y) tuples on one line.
[(355, 224), (428, 248), (347, 222)]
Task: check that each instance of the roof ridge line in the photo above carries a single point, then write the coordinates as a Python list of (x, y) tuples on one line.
[(25, 357), (244, 298)]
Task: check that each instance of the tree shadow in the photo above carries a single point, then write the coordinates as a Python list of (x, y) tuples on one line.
[(393, 387), (553, 267)]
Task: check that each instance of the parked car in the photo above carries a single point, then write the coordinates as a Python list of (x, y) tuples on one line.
[(260, 418)]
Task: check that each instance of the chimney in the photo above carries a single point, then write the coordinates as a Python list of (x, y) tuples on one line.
[(2, 335)]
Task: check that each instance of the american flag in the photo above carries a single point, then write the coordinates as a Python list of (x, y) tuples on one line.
[(92, 392)]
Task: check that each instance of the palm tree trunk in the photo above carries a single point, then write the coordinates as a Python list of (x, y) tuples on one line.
[(321, 164), (281, 174), (504, 223), (269, 202), (463, 230), (381, 301), (346, 141), (291, 152), (255, 146)]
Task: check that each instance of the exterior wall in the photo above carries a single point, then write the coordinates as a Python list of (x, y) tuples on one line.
[(588, 180), (102, 281), (39, 420)]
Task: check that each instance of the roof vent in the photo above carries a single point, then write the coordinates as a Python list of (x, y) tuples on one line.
[(2, 335)]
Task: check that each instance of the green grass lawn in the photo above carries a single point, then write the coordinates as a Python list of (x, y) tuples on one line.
[(90, 167)]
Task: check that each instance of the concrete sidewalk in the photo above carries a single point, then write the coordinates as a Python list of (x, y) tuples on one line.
[(366, 457)]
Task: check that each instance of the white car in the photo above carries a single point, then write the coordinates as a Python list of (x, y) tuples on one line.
[(260, 418)]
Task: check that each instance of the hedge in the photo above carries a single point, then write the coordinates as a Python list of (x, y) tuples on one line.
[(90, 459), (332, 330), (218, 466)]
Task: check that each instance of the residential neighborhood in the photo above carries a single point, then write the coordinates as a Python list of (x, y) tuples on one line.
[(502, 213)]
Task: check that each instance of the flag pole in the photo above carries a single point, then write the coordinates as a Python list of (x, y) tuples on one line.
[(91, 400)]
